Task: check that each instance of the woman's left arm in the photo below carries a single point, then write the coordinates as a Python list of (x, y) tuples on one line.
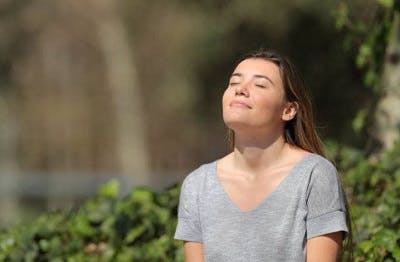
[(324, 248)]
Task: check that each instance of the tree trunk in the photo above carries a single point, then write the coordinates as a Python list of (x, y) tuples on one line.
[(387, 117), (131, 143), (9, 168)]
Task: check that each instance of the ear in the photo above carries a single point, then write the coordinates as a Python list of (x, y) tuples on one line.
[(290, 110)]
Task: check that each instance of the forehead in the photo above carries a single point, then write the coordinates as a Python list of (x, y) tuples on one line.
[(258, 66)]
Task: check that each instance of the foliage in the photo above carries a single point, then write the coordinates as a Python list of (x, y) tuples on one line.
[(369, 35), (138, 227), (373, 188)]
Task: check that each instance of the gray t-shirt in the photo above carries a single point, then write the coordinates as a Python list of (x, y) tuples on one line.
[(309, 202)]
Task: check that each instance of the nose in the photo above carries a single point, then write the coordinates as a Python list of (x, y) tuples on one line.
[(242, 89)]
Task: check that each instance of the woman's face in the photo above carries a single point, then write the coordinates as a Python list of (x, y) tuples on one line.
[(255, 97)]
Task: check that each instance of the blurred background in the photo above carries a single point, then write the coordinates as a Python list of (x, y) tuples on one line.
[(131, 89)]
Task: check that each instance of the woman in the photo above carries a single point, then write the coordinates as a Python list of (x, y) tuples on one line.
[(274, 197)]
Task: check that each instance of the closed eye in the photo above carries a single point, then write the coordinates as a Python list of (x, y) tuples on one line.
[(262, 86)]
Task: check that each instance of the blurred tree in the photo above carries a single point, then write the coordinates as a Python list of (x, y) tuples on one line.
[(65, 78), (131, 137), (8, 161), (9, 165), (387, 117), (61, 73), (375, 36)]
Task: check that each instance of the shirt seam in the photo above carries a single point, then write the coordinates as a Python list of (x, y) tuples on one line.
[(327, 213)]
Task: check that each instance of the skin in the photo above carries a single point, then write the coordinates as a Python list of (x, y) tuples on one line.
[(255, 108)]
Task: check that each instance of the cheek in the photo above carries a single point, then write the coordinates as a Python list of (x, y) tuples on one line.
[(269, 105), (225, 98)]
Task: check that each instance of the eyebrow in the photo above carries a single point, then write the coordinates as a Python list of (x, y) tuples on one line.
[(256, 76)]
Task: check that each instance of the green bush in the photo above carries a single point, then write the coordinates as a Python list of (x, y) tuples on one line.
[(373, 189), (140, 227)]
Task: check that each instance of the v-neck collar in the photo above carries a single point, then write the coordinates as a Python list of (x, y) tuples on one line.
[(275, 191)]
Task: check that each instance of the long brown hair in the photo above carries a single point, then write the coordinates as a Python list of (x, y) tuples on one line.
[(300, 131)]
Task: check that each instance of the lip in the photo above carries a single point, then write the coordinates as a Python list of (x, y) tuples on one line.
[(236, 103)]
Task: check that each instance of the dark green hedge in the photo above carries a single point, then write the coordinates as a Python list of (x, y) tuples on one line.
[(140, 226), (137, 228)]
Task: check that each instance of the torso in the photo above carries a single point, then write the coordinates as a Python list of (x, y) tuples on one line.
[(275, 229), (272, 227)]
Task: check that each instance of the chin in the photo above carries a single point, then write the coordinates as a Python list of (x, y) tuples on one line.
[(236, 124)]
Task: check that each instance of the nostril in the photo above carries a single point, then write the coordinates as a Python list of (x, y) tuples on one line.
[(241, 90)]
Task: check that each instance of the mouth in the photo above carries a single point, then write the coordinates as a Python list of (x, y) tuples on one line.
[(239, 104)]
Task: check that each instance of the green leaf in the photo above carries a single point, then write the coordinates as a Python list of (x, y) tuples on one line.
[(134, 233), (359, 121), (341, 14), (81, 226), (386, 3), (396, 253), (364, 55), (44, 245), (142, 195), (366, 246), (110, 189)]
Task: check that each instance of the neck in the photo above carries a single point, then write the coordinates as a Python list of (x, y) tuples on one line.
[(256, 153)]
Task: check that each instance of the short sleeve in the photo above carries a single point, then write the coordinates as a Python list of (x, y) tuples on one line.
[(188, 227), (326, 210)]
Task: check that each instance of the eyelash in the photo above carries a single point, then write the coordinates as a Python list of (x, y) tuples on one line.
[(234, 83)]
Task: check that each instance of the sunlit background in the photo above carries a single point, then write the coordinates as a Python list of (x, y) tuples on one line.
[(99, 89)]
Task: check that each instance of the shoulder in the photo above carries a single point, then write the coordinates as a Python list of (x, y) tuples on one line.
[(319, 162), (197, 177), (322, 166), (323, 173)]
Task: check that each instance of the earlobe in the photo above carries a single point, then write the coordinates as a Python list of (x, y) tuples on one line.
[(290, 111)]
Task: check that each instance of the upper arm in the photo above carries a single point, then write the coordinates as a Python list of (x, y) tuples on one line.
[(193, 251), (326, 209), (326, 214), (189, 226), (324, 248)]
